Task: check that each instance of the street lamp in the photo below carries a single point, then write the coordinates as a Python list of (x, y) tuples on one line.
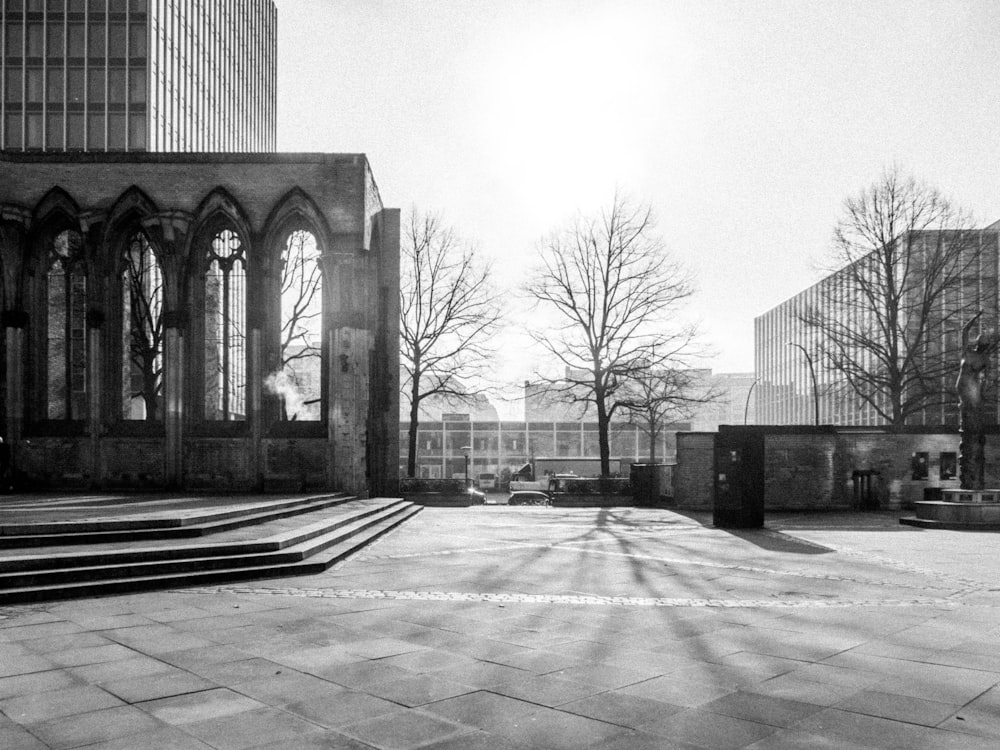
[(812, 372), (465, 450), (746, 408)]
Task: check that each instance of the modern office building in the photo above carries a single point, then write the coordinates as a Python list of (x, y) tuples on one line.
[(552, 433), (794, 385), (138, 75)]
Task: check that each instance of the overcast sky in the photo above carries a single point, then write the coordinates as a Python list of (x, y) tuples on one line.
[(744, 124)]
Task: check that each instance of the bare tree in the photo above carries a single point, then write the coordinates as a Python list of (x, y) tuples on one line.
[(143, 282), (448, 311), (656, 399), (615, 294), (297, 382), (886, 325)]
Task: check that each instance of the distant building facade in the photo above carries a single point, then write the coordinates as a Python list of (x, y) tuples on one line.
[(551, 429), (138, 75), (793, 387), (733, 403)]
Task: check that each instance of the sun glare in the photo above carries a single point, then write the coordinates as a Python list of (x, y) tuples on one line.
[(572, 101)]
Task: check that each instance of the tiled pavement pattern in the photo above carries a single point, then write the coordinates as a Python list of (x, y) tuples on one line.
[(514, 628)]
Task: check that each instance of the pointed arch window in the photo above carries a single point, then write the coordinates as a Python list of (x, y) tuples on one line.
[(66, 332), (225, 328), (142, 331), (299, 381)]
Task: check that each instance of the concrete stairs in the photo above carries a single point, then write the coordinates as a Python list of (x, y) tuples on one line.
[(49, 552)]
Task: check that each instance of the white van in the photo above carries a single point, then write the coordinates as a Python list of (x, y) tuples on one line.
[(487, 482)]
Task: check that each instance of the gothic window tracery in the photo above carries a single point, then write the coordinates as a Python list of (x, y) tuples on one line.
[(66, 336), (225, 287)]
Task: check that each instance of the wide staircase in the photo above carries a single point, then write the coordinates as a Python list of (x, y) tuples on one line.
[(60, 547)]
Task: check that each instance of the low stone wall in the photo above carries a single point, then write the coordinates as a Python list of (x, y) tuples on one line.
[(440, 499), (812, 468), (571, 500)]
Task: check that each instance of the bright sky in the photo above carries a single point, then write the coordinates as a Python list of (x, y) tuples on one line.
[(744, 123)]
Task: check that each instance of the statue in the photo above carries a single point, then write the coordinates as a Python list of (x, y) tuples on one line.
[(970, 385)]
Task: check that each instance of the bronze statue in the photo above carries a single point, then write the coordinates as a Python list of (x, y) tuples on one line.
[(971, 382)]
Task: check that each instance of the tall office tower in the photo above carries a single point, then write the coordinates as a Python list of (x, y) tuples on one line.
[(138, 75)]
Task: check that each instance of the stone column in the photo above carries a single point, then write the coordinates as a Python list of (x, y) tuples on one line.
[(169, 233)]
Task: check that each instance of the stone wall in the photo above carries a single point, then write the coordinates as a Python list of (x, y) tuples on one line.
[(179, 203), (694, 475), (813, 468)]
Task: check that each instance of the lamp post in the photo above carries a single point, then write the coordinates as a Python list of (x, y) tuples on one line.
[(465, 451), (812, 372), (746, 407)]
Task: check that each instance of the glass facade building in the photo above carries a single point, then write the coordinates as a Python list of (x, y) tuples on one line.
[(138, 75), (502, 447), (795, 387)]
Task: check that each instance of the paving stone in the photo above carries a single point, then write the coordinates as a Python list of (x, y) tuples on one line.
[(484, 710), (25, 632), (481, 674), (93, 655), (37, 682), (605, 676), (540, 661), (866, 730), (252, 728), (192, 707), (404, 730), (135, 666), (416, 690), (81, 730), (689, 693), (25, 664), (546, 690), (898, 707), (65, 643), (427, 660), (335, 711), (794, 740), (288, 687), (52, 704), (151, 687), (18, 738), (791, 687), (626, 710), (559, 730), (707, 729), (778, 712), (166, 738)]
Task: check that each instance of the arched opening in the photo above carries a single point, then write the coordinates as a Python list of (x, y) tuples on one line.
[(225, 342), (142, 330), (298, 381), (65, 300)]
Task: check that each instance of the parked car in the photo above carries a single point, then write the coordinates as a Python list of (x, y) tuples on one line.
[(529, 497), (476, 496)]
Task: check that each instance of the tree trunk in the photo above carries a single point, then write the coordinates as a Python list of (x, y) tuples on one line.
[(602, 436), (411, 449)]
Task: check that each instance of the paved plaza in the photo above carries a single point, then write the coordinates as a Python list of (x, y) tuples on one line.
[(508, 628)]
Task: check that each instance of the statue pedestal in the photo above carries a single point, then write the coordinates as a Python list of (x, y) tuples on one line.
[(970, 496), (973, 510)]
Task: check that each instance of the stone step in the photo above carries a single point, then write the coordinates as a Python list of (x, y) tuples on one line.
[(158, 525), (304, 557), (268, 539)]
